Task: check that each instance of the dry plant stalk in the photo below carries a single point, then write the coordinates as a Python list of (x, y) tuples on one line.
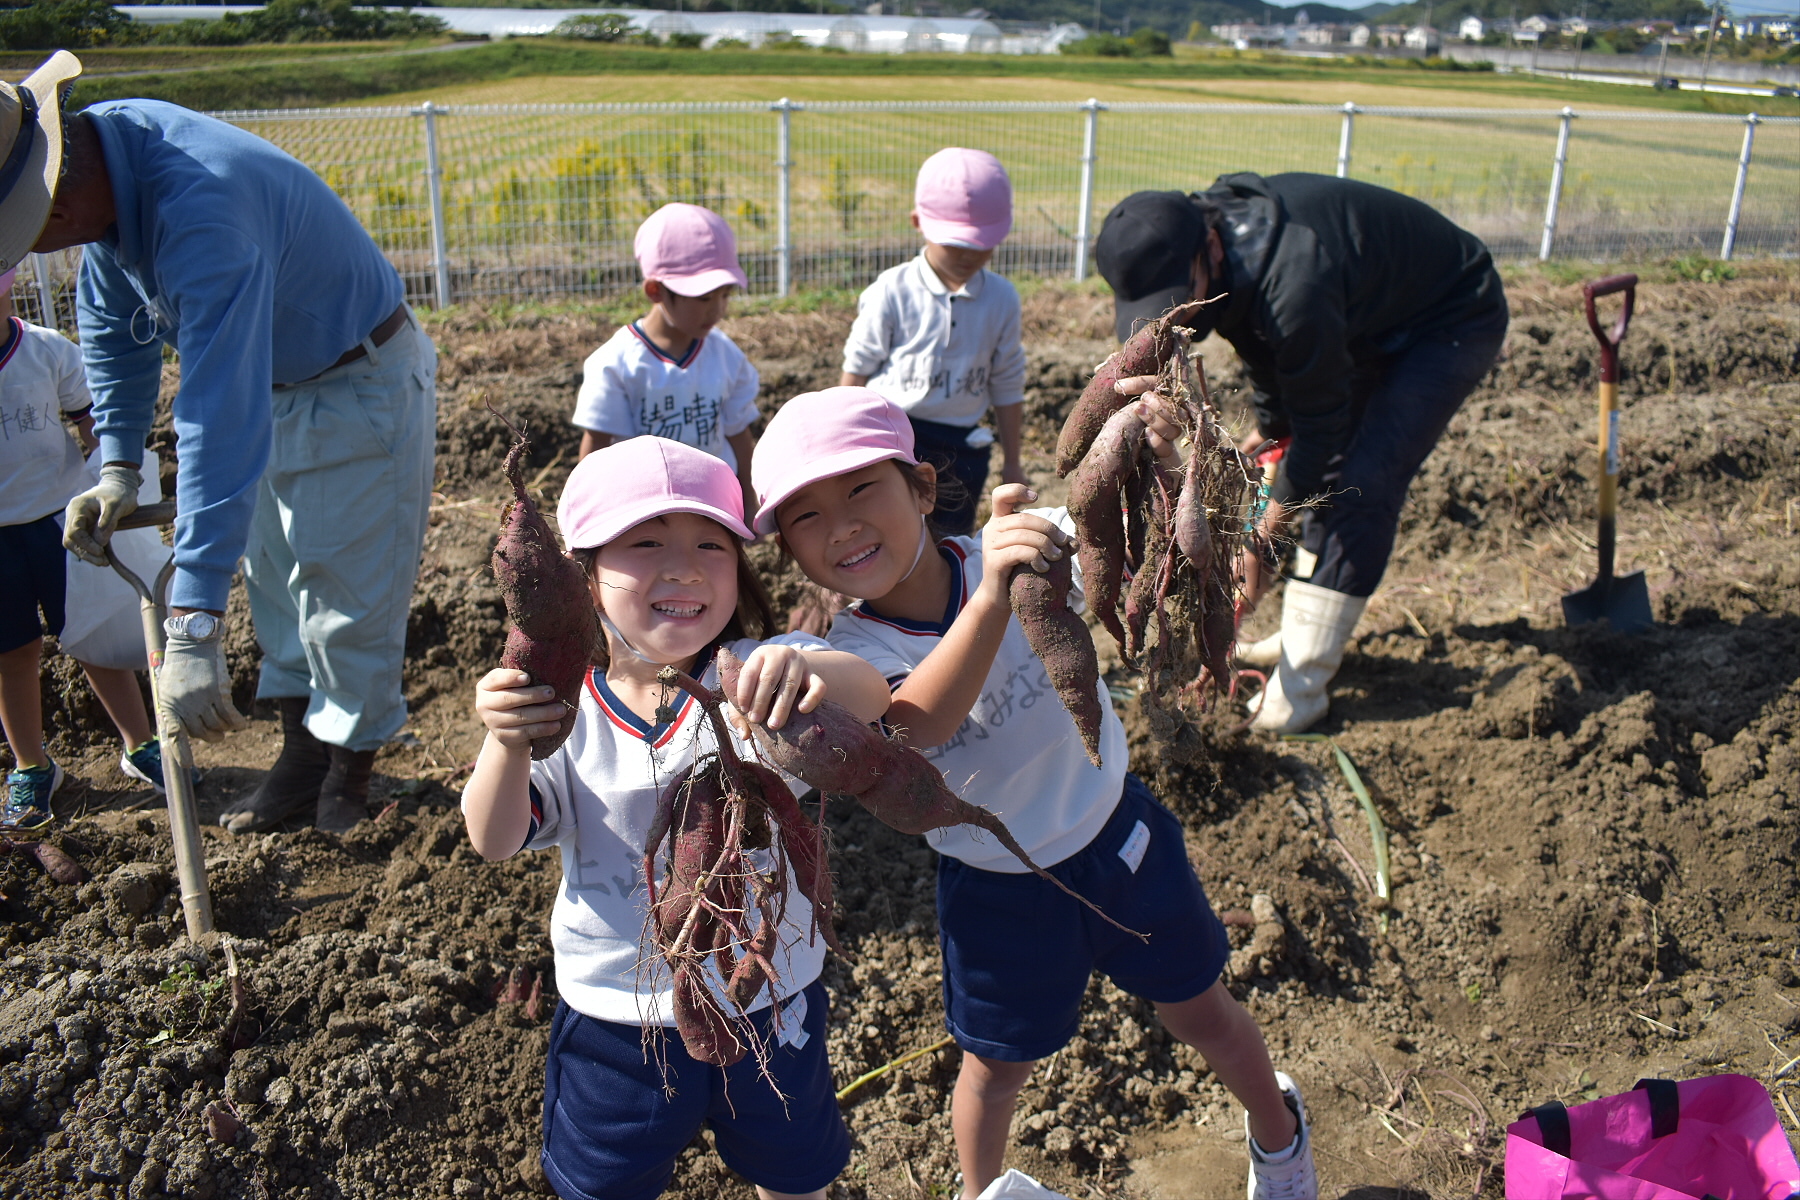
[(1158, 546)]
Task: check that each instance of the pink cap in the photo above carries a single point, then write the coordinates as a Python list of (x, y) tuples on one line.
[(963, 198), (820, 434), (631, 481), (688, 249)]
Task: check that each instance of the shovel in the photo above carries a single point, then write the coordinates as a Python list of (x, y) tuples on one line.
[(1623, 601), (178, 755)]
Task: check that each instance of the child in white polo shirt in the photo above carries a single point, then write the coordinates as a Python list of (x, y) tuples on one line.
[(42, 385), (939, 334), (838, 478), (671, 373)]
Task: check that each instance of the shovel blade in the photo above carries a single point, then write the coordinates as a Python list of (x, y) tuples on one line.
[(1622, 602)]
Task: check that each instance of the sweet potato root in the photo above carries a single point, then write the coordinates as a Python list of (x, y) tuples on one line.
[(1181, 532), (555, 636), (1061, 638), (1145, 354), (1100, 529), (838, 754)]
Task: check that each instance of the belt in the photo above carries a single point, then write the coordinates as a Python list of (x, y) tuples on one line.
[(378, 336)]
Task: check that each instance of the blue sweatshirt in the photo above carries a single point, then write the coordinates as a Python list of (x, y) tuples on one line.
[(236, 255)]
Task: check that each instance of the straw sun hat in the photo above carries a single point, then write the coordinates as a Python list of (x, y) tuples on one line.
[(31, 152)]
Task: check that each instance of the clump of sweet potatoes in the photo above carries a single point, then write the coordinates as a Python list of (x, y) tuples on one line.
[(1176, 533), (831, 750), (716, 904), (555, 634)]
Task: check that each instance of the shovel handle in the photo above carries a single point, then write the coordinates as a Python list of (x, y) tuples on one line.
[(1609, 343), (146, 515)]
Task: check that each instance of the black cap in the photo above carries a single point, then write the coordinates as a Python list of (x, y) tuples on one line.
[(1146, 252)]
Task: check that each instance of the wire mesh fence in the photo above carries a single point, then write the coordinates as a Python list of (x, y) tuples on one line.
[(518, 202)]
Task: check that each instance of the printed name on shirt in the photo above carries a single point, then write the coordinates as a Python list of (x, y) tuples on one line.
[(28, 418), (695, 423), (996, 706), (972, 382)]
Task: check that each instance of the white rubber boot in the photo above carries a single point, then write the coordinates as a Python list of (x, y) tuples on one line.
[(1261, 654), (1315, 624)]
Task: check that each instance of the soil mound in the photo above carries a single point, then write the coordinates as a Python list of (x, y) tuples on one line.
[(1593, 837)]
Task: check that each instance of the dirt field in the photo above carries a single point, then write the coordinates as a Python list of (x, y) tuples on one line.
[(1594, 838)]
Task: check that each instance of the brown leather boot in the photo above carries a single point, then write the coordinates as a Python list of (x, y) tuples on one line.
[(291, 784), (344, 796)]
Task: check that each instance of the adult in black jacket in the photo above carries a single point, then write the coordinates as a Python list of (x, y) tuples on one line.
[(1364, 319)]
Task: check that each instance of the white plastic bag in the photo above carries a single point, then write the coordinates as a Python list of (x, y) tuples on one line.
[(1017, 1185), (102, 625)]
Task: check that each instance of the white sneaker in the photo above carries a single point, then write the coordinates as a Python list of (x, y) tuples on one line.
[(1294, 1176)]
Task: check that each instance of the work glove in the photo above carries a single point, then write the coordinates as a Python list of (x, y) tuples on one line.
[(194, 687), (92, 516)]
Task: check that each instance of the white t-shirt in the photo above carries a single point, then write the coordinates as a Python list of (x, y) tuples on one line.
[(940, 355), (1017, 753), (629, 387), (41, 466), (594, 799)]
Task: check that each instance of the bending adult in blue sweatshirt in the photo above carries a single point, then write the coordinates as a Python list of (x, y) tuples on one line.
[(305, 423)]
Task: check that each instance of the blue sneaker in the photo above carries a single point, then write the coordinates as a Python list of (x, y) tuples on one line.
[(146, 764), (28, 792)]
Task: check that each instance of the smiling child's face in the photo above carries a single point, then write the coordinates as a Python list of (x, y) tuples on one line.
[(668, 584), (856, 533)]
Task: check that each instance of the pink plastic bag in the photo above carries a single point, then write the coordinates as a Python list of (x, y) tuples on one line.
[(1714, 1137)]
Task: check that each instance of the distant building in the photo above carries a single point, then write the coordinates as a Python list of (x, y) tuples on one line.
[(1576, 25), (1423, 38), (1539, 24), (1392, 36), (1319, 35), (1360, 35), (1246, 36), (1472, 29)]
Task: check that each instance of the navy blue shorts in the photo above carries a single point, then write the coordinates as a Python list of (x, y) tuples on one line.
[(615, 1118), (36, 578), (1018, 952)]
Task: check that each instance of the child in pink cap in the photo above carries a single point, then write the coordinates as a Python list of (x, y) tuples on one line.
[(658, 528), (939, 334), (838, 478), (671, 373)]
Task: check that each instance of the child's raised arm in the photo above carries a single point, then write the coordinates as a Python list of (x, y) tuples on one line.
[(496, 802), (931, 704)]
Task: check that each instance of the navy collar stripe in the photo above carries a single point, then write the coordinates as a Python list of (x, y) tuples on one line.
[(693, 350)]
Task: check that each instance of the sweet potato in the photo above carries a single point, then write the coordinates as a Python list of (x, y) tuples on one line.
[(1061, 638), (1192, 533), (1144, 354), (838, 754), (1094, 491), (556, 632)]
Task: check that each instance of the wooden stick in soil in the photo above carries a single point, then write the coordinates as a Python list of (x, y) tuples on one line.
[(871, 1076)]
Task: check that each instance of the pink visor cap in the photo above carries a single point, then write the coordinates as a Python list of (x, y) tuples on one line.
[(631, 481), (820, 434), (688, 249), (963, 198)]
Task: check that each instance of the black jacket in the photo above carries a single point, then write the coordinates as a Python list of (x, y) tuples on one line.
[(1327, 277)]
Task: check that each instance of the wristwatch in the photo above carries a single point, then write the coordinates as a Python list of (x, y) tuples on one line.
[(195, 626)]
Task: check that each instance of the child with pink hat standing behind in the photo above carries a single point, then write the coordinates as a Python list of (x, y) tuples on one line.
[(671, 373), (659, 531), (939, 334)]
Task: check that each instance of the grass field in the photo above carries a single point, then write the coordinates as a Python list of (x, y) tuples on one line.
[(264, 77)]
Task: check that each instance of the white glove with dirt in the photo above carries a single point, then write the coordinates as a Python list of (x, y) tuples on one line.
[(93, 516), (194, 686)]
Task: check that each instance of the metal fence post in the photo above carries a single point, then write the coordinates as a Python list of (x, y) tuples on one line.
[(1737, 191), (40, 271), (1343, 171), (1556, 183), (784, 196), (434, 178), (1084, 222)]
